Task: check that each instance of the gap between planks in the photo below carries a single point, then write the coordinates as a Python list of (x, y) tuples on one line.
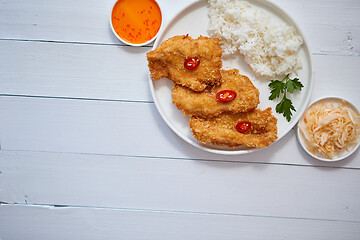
[(70, 42), (147, 46), (172, 211), (74, 98), (182, 159)]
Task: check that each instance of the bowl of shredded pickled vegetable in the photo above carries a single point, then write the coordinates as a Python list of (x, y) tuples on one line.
[(329, 129)]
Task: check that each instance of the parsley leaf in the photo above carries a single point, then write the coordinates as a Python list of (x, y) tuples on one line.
[(290, 86), (285, 106), (293, 84), (277, 88), (284, 86)]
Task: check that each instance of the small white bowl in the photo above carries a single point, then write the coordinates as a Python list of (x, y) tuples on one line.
[(341, 155), (135, 44)]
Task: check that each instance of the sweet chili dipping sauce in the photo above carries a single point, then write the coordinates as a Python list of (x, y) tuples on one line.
[(136, 21)]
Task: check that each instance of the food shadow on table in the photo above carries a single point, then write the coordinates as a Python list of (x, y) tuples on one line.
[(329, 164), (263, 157), (192, 153), (116, 42)]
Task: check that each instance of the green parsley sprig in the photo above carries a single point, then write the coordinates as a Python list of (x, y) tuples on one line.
[(283, 87)]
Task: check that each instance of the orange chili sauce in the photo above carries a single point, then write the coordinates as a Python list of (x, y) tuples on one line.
[(136, 21)]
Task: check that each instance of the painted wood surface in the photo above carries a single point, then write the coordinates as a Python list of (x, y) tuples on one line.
[(84, 154), (120, 73), (119, 128), (57, 223), (332, 25), (198, 186)]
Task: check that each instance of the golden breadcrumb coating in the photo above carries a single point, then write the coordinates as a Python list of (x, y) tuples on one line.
[(204, 104), (168, 61), (221, 130)]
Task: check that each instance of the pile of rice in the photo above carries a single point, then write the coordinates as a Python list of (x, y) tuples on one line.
[(269, 47)]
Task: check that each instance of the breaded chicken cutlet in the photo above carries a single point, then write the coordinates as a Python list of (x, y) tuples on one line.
[(168, 60), (222, 130), (205, 104)]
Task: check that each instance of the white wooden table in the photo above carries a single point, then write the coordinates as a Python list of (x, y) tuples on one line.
[(86, 155)]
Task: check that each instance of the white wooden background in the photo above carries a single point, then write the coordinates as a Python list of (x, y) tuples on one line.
[(85, 154)]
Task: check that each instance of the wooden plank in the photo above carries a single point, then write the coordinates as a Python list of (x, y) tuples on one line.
[(331, 27), (198, 186), (332, 77), (120, 128), (42, 222), (110, 72), (66, 20), (329, 30), (73, 70)]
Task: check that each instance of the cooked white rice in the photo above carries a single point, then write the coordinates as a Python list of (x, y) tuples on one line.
[(270, 47)]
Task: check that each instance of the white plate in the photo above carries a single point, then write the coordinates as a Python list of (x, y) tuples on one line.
[(184, 24), (343, 154)]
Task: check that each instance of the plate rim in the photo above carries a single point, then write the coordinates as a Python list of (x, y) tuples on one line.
[(295, 120)]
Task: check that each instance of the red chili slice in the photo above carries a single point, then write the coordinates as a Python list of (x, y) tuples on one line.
[(243, 126), (191, 63), (225, 95)]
